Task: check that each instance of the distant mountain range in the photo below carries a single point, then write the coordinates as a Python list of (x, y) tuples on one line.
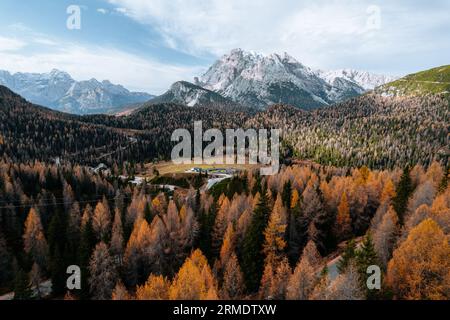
[(238, 80), (59, 91)]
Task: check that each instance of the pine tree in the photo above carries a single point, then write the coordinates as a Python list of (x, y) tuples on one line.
[(156, 288), (220, 225), (343, 220), (347, 257), (87, 244), (233, 280), (103, 275), (280, 280), (420, 266), (366, 256), (101, 220), (120, 292), (206, 222), (228, 246), (321, 231), (297, 231), (403, 192), (302, 281), (274, 234), (347, 286), (137, 254), (252, 255), (385, 236), (117, 242), (194, 280), (34, 240)]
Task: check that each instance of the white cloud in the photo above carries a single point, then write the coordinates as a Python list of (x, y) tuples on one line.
[(11, 44), (121, 10), (320, 33), (102, 11), (45, 41), (136, 73)]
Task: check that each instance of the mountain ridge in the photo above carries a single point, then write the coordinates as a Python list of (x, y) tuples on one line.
[(257, 80), (58, 90), (432, 81)]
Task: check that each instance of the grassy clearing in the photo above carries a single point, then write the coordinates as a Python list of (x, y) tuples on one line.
[(168, 167)]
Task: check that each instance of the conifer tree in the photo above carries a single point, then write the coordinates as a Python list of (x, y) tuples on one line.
[(385, 236), (233, 280), (403, 192), (101, 220), (194, 280), (420, 266), (34, 240), (252, 255), (117, 242), (302, 281), (343, 220), (103, 275), (206, 223), (347, 257), (120, 292), (274, 234), (366, 256), (87, 244), (347, 286), (156, 288)]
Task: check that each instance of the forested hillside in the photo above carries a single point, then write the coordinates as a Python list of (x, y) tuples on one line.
[(380, 132), (269, 238), (371, 130)]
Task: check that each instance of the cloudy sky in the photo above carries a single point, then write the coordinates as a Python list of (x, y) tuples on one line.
[(148, 44)]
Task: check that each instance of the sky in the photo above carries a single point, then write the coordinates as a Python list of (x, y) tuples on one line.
[(146, 45)]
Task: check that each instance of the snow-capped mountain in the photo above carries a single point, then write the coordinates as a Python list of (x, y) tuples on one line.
[(58, 90), (366, 80), (256, 80)]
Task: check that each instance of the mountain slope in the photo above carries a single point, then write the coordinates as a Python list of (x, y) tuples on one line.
[(259, 81), (371, 130), (31, 132), (432, 81), (59, 91), (191, 95)]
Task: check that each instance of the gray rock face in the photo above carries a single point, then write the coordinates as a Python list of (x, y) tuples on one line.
[(258, 81)]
